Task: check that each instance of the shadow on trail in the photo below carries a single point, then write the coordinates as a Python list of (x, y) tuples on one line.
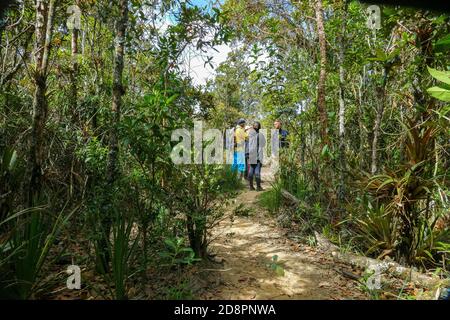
[(247, 246)]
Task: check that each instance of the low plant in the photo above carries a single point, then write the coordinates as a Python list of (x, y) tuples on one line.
[(276, 266), (242, 211), (180, 291), (122, 249), (25, 250), (377, 230), (176, 253), (272, 199)]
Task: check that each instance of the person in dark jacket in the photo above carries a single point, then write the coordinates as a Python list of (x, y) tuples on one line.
[(247, 166), (256, 144), (283, 134), (279, 141)]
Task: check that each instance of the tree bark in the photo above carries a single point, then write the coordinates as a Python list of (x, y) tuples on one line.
[(74, 73), (359, 94), (118, 90), (341, 59), (381, 94), (43, 34), (391, 268), (113, 155), (321, 102)]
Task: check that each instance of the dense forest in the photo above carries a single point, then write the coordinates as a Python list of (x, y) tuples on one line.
[(93, 207)]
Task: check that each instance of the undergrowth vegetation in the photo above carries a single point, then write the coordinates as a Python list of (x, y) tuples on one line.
[(88, 112)]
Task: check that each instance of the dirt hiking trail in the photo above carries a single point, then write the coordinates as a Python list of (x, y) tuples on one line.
[(245, 246)]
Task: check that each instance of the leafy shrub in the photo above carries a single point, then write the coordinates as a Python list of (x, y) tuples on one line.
[(176, 253)]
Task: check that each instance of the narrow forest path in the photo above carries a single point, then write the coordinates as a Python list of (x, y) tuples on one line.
[(245, 246)]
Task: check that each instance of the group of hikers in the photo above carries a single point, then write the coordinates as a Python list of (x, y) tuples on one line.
[(249, 144)]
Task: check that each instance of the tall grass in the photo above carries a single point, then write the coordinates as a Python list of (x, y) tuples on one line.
[(119, 242), (272, 199), (32, 232), (122, 249), (229, 180)]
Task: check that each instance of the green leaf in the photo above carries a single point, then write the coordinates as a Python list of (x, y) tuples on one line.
[(443, 111), (443, 76), (279, 271), (170, 243), (386, 182), (442, 44), (325, 150), (428, 253), (439, 93)]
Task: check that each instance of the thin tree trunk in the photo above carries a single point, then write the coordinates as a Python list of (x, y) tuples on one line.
[(117, 93), (118, 90), (381, 95), (321, 102), (74, 73), (302, 143), (341, 58), (362, 129), (43, 35)]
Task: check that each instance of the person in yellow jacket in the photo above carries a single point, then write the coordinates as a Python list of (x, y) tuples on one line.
[(240, 136)]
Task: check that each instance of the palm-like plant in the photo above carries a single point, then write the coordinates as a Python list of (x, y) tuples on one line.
[(378, 229), (405, 192)]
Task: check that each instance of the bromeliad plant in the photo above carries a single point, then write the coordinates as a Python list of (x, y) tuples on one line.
[(405, 196), (121, 241), (378, 230)]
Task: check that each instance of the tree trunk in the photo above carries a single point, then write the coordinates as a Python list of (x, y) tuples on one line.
[(74, 74), (321, 103), (43, 35), (341, 58), (196, 239), (362, 128), (112, 164), (118, 90), (381, 95)]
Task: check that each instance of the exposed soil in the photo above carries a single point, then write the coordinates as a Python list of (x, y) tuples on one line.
[(245, 247)]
